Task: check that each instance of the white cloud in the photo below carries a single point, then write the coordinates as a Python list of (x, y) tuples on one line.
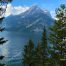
[(52, 14), (15, 10)]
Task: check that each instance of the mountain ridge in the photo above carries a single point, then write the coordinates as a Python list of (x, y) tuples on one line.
[(34, 17)]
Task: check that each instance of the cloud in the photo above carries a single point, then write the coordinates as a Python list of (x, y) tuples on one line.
[(52, 14), (15, 10)]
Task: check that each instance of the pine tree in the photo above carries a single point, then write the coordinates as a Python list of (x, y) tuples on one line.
[(2, 41), (44, 46), (28, 53), (2, 2), (58, 34), (2, 11), (38, 55)]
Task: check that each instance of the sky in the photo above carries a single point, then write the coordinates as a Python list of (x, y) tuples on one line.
[(23, 5)]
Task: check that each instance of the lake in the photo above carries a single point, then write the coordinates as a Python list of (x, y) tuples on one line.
[(12, 50)]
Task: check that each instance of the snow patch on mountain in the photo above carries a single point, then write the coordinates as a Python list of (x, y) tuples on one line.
[(28, 26), (38, 30)]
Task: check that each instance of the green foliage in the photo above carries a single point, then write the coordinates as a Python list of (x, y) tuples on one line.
[(60, 11), (44, 39), (58, 34), (38, 55), (28, 53), (44, 46), (1, 64)]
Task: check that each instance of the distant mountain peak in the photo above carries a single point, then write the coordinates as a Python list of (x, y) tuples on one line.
[(31, 20), (34, 7)]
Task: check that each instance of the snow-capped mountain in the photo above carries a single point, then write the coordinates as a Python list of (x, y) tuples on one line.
[(34, 19)]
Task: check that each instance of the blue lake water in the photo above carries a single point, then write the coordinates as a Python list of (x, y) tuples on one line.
[(12, 50)]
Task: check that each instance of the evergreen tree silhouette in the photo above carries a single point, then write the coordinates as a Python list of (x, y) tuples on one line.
[(44, 45), (38, 55), (28, 53), (2, 11), (58, 34)]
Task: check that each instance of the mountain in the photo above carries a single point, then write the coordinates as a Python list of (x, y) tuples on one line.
[(32, 20), (20, 28)]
